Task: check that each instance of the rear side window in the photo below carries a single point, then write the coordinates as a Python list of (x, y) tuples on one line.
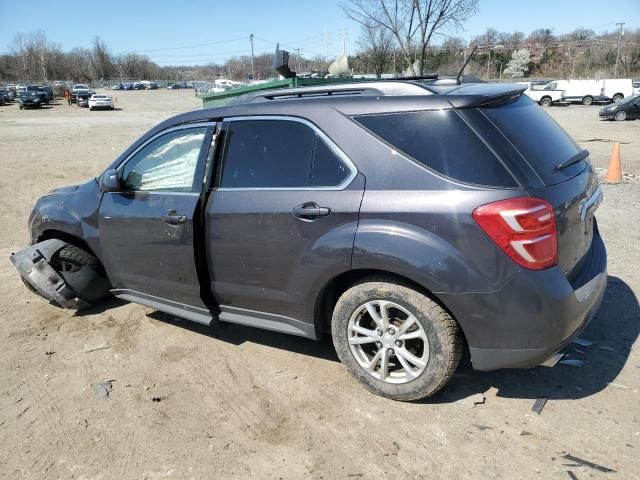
[(538, 138), (441, 141), (278, 154)]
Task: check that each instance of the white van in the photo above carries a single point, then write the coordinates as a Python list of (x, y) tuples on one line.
[(588, 92), (618, 88)]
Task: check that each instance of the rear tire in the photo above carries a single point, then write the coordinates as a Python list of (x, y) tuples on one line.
[(587, 100), (620, 116), (617, 97), (546, 102), (419, 360)]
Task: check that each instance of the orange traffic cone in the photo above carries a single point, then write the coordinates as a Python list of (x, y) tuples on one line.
[(614, 172)]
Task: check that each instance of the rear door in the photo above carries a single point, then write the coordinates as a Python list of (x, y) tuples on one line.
[(147, 228), (280, 221)]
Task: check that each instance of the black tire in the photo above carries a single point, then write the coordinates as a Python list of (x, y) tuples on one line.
[(82, 272), (546, 101), (587, 100), (76, 257), (442, 332), (620, 116), (617, 97)]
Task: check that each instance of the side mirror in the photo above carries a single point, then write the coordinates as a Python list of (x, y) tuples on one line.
[(110, 181)]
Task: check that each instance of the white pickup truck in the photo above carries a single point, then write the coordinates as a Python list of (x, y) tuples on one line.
[(545, 98)]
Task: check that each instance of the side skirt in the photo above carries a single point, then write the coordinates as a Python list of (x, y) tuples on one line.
[(241, 316)]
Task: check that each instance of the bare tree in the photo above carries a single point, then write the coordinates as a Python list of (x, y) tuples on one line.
[(413, 23), (377, 46), (21, 53)]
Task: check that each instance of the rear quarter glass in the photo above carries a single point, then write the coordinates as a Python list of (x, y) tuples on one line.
[(441, 141), (541, 142)]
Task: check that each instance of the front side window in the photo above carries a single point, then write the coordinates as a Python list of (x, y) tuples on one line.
[(168, 163), (278, 154)]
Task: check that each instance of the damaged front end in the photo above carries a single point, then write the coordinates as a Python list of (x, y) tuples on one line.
[(74, 288)]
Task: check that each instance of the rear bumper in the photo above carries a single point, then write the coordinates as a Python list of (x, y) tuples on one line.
[(533, 316)]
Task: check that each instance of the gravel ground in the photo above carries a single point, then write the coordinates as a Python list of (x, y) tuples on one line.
[(185, 401)]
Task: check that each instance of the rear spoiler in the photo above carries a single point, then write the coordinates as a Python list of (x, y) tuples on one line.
[(476, 95)]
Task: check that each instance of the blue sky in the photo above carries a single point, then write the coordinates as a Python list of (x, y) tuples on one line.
[(216, 29)]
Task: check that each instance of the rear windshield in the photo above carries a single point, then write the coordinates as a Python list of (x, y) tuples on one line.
[(441, 141), (538, 138)]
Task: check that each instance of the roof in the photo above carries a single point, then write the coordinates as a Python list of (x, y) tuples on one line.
[(354, 98)]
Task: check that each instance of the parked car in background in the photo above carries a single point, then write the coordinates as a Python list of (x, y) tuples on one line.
[(173, 86), (542, 97), (626, 109), (82, 97), (128, 86), (29, 99), (359, 216), (42, 94), (80, 86), (3, 101), (138, 86), (6, 94), (48, 93), (118, 86), (636, 88), (152, 86), (101, 101)]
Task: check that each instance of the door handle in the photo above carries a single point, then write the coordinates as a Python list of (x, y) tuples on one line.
[(310, 211), (172, 218)]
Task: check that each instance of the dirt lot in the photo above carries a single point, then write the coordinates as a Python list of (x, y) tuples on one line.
[(235, 402)]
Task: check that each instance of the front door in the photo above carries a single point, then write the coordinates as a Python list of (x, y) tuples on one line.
[(147, 229), (280, 222)]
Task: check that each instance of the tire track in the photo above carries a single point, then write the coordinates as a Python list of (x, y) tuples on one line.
[(221, 393)]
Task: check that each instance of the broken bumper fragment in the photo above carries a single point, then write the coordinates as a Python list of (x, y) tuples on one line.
[(34, 265)]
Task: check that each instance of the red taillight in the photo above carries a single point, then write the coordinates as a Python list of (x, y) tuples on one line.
[(524, 228)]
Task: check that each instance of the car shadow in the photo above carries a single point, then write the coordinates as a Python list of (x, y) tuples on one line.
[(105, 305), (613, 332), (239, 334)]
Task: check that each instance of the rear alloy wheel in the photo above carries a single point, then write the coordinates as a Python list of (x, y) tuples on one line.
[(620, 116), (587, 100), (545, 102), (397, 342), (617, 97)]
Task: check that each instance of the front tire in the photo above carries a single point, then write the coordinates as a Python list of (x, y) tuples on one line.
[(620, 116), (83, 272), (394, 340), (546, 102), (587, 100)]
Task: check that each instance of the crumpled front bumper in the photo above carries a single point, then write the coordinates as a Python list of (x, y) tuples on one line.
[(33, 264)]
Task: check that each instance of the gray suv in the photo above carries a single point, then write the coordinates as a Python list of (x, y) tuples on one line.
[(410, 220)]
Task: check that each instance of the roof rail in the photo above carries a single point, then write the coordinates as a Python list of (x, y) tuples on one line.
[(381, 87)]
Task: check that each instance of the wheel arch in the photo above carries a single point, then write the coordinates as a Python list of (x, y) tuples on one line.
[(330, 293), (66, 237)]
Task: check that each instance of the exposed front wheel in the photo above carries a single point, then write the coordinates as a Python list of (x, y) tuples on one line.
[(587, 100), (620, 116), (396, 341), (82, 272)]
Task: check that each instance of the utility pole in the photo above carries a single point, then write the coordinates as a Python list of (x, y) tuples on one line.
[(615, 70), (326, 51), (298, 52), (488, 62), (252, 69)]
